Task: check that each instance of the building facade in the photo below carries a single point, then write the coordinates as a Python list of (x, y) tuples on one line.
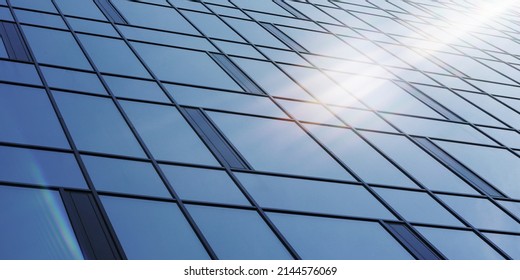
[(239, 129)]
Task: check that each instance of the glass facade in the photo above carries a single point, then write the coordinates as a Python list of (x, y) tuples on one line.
[(268, 129)]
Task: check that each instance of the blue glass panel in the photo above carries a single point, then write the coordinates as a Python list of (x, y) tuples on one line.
[(96, 125), (27, 117), (227, 101), (184, 66), (238, 234), (418, 163), (361, 157), (73, 80), (19, 73), (498, 166), (80, 8), (113, 56), (212, 26), (459, 245), (40, 19), (90, 26), (313, 196), (254, 33), (125, 176), (271, 79), (55, 47), (418, 207), (509, 243), (164, 17), (326, 239), (203, 185), (481, 213), (167, 134), (35, 226), (152, 230), (42, 5), (138, 89), (40, 168), (278, 146)]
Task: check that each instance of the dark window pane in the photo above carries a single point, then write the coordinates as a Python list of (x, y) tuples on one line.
[(152, 230), (35, 226), (238, 234)]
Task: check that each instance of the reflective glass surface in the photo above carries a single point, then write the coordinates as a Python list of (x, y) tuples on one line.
[(152, 230), (278, 146), (35, 226), (96, 125), (325, 238), (238, 234)]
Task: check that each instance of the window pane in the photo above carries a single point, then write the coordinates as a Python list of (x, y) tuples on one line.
[(55, 47), (418, 207), (498, 166), (509, 243), (481, 213), (271, 79), (152, 230), (40, 168), (163, 17), (27, 117), (254, 33), (80, 8), (459, 245), (327, 239), (167, 134), (227, 101), (113, 56), (418, 163), (96, 125), (35, 226), (438, 129), (212, 26), (73, 80), (138, 89), (309, 112), (320, 86), (313, 196), (278, 146), (184, 66), (362, 119), (125, 176), (203, 185), (361, 157), (19, 73), (238, 234)]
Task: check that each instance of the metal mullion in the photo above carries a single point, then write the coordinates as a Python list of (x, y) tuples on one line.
[(69, 138), (139, 139)]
